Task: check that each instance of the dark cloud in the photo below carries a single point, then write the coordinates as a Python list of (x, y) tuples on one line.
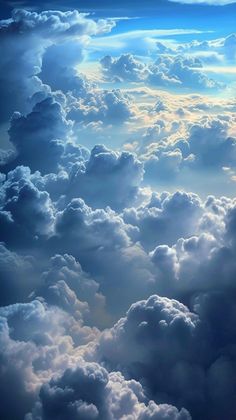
[(24, 39), (67, 286), (18, 277), (89, 392), (177, 353), (64, 76), (35, 341), (40, 136), (103, 243), (26, 212), (120, 173)]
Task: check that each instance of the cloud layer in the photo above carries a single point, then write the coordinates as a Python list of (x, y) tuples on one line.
[(117, 292)]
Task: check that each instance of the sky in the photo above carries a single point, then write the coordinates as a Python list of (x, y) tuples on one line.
[(117, 210)]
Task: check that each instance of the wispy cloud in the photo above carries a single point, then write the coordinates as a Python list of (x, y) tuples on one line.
[(142, 38), (208, 2)]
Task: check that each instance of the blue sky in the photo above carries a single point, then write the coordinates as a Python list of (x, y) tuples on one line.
[(163, 13)]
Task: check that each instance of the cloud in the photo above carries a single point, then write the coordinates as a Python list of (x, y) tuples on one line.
[(90, 392), (141, 41), (171, 71), (229, 46), (108, 107), (164, 164), (16, 276), (26, 212), (165, 218), (38, 337), (67, 286), (93, 236), (124, 68), (210, 143), (82, 174), (102, 242), (180, 71), (151, 327), (203, 262), (209, 2), (54, 23), (121, 172), (91, 225), (171, 350), (205, 146), (40, 136), (24, 39), (58, 68), (219, 51)]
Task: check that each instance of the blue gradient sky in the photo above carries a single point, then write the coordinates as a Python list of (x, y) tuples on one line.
[(153, 13)]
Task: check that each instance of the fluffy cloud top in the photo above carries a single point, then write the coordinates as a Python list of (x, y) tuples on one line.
[(24, 39), (169, 348), (166, 71), (89, 392)]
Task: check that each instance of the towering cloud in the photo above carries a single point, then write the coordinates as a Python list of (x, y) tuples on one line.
[(176, 353), (25, 38), (40, 136), (89, 392)]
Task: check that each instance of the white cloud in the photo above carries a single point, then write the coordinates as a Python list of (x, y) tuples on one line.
[(209, 2)]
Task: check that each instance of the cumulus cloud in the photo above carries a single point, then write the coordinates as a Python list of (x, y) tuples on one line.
[(32, 219), (212, 52), (40, 136), (171, 350), (210, 143), (108, 107), (18, 277), (63, 58), (35, 341), (106, 178), (124, 68), (203, 262), (102, 178), (89, 392), (67, 286), (92, 225), (179, 71), (26, 212), (206, 146), (167, 71), (106, 247), (165, 218), (24, 39)]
